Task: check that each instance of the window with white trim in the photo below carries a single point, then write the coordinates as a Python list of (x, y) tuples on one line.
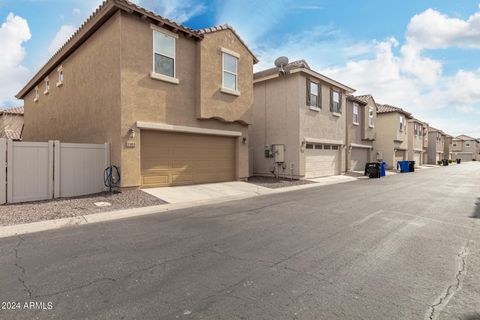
[(370, 116), (402, 123), (47, 86), (37, 94), (355, 117), (230, 72), (335, 105), (313, 94), (163, 54)]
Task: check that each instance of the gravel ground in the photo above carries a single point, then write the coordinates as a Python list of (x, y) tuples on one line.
[(273, 183), (71, 207)]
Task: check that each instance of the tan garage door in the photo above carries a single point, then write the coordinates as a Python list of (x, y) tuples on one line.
[(358, 159), (417, 157), (322, 160), (175, 158), (399, 156), (465, 156)]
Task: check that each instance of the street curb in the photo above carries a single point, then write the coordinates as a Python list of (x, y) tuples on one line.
[(39, 226)]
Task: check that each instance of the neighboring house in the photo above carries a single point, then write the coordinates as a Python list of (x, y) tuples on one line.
[(299, 123), (11, 123), (436, 145), (361, 118), (391, 144), (174, 103), (425, 129), (448, 146), (465, 148), (416, 139)]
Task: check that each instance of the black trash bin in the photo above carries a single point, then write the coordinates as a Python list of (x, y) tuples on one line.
[(372, 169), (459, 161), (411, 166), (445, 162)]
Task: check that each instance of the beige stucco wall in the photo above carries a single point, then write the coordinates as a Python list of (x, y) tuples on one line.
[(152, 100), (389, 137), (212, 102), (86, 109), (415, 142), (447, 148), (362, 133), (321, 124), (276, 121), (435, 147)]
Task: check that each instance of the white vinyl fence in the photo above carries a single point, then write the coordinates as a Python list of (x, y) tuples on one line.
[(47, 170)]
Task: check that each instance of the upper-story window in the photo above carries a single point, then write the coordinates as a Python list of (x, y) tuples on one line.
[(47, 86), (454, 144), (60, 76), (313, 94), (335, 105), (164, 54), (355, 114), (467, 144), (37, 94), (402, 123), (370, 117), (230, 71)]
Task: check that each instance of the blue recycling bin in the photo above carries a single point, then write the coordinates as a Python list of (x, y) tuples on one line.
[(383, 169), (403, 166)]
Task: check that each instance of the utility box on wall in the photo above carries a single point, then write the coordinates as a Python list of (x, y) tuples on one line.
[(279, 153)]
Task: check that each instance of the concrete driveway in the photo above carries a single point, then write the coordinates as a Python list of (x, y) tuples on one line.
[(403, 247)]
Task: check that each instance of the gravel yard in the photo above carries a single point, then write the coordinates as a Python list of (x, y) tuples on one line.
[(71, 207), (273, 183)]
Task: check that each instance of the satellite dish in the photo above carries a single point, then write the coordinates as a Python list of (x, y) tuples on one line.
[(280, 63)]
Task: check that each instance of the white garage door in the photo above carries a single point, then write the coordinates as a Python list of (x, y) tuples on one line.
[(417, 158), (322, 160), (399, 156), (358, 159), (465, 156)]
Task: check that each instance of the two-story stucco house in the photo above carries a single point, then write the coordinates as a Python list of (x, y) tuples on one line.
[(391, 144), (448, 147), (174, 103), (299, 123), (465, 148), (416, 141), (361, 132), (436, 145)]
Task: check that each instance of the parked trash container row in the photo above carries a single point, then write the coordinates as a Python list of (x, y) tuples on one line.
[(375, 169)]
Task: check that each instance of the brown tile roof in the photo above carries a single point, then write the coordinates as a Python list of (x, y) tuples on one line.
[(386, 108), (356, 99), (299, 64), (13, 135), (227, 27), (464, 137), (14, 110)]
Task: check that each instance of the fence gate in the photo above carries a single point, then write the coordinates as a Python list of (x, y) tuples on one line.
[(31, 171)]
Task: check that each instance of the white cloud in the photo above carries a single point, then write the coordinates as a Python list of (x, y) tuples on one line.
[(14, 32), (177, 10), (60, 38), (433, 30), (76, 11)]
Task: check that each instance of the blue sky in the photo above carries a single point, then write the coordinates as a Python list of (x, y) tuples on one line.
[(420, 55)]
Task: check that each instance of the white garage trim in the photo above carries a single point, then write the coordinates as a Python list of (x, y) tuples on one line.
[(323, 141), (184, 129), (355, 145)]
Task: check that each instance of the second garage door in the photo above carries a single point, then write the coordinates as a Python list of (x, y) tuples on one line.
[(464, 156), (176, 159), (399, 156), (358, 159), (417, 157), (321, 160)]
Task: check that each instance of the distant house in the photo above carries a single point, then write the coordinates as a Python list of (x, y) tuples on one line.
[(436, 145), (466, 148), (11, 123)]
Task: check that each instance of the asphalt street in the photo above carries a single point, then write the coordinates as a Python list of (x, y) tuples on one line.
[(402, 247)]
